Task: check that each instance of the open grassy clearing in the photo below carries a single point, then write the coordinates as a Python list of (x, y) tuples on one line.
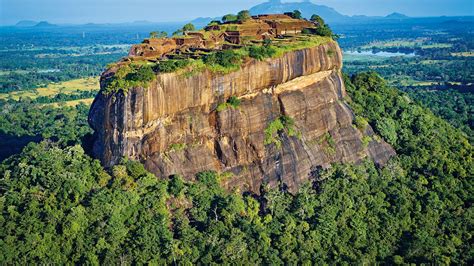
[(363, 58), (67, 87), (420, 42), (431, 62), (7, 72), (71, 103), (463, 54)]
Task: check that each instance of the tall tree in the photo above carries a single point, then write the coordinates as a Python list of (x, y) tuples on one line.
[(243, 15)]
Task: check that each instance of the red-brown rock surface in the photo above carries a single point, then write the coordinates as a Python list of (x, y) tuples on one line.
[(173, 126)]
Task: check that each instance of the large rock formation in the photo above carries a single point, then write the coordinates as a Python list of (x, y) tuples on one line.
[(173, 126)]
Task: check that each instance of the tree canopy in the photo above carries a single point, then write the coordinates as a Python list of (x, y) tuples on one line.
[(229, 18), (158, 34), (243, 15), (296, 14), (59, 206)]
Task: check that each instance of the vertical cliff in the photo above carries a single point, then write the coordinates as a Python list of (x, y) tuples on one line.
[(292, 119)]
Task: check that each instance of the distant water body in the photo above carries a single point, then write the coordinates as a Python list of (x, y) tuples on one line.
[(379, 53)]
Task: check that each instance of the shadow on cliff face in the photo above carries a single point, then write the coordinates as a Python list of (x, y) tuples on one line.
[(11, 145)]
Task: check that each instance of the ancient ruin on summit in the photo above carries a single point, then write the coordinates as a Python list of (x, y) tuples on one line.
[(218, 36)]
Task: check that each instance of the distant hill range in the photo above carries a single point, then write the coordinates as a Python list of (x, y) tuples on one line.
[(45, 24), (397, 16), (307, 9), (26, 23), (31, 23)]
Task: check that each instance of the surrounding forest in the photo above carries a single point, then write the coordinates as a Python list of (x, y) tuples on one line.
[(417, 209), (431, 59), (60, 206)]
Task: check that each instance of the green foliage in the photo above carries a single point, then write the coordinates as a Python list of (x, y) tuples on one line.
[(214, 23), (309, 41), (158, 34), (72, 211), (176, 185), (307, 31), (243, 15), (177, 147), (167, 66), (59, 206), (324, 31), (329, 144), (438, 162), (360, 123), (129, 76), (221, 107), (189, 27), (317, 19), (24, 69), (365, 141), (283, 124), (455, 107), (22, 122), (232, 28), (261, 52), (229, 18), (296, 14), (388, 130), (232, 102), (226, 59)]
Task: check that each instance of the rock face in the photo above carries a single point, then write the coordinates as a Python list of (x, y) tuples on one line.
[(173, 126)]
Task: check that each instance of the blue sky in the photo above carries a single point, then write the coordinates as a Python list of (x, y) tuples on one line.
[(100, 11)]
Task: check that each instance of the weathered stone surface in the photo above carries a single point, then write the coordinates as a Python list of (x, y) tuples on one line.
[(173, 128)]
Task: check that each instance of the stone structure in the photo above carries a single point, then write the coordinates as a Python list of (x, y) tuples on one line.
[(214, 36), (173, 126)]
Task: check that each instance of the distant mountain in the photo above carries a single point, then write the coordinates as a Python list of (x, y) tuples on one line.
[(26, 23), (45, 24), (307, 9), (141, 22), (396, 15)]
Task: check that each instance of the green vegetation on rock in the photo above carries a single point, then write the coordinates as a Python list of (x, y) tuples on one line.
[(243, 15), (283, 124), (177, 147), (187, 27), (158, 34), (229, 18), (261, 52), (140, 74), (323, 29), (225, 60), (129, 76), (167, 66), (329, 144), (233, 102)]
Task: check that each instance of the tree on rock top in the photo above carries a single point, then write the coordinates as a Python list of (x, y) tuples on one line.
[(243, 15), (229, 18), (296, 14), (317, 19), (188, 27)]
